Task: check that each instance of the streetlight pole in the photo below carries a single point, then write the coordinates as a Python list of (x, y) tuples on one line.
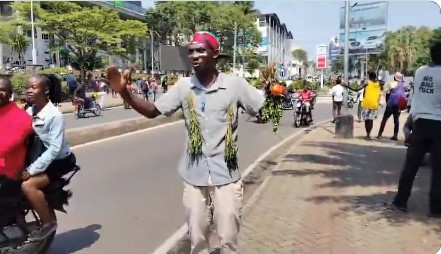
[(344, 124), (151, 50), (346, 58), (34, 50), (235, 46)]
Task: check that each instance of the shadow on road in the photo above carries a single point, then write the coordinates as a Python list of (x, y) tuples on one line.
[(374, 166), (75, 240)]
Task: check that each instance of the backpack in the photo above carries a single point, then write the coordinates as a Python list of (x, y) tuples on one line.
[(398, 97)]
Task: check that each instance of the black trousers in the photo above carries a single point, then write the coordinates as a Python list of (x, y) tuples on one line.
[(390, 111), (425, 138)]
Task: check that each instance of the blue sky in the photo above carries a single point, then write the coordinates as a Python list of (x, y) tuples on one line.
[(315, 22)]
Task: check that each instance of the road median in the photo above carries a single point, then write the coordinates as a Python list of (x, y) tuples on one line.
[(96, 132)]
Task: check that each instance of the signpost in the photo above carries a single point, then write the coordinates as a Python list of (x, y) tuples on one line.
[(322, 61)]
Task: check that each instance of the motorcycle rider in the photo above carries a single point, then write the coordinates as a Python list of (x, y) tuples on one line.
[(80, 92), (15, 127), (306, 96), (53, 155)]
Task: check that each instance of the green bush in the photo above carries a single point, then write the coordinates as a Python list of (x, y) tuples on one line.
[(18, 81), (59, 71)]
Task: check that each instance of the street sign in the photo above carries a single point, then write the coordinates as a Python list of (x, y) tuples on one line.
[(322, 50), (322, 62)]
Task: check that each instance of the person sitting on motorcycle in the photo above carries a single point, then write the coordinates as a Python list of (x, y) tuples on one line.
[(55, 158), (306, 99), (80, 92), (15, 128)]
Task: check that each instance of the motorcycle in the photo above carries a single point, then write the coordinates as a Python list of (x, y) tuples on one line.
[(126, 105), (81, 112), (288, 102), (352, 99), (301, 117), (14, 232)]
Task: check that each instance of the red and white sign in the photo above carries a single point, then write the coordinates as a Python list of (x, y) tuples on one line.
[(322, 62)]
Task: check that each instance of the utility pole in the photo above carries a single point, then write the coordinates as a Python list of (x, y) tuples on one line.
[(346, 58), (344, 124), (151, 50), (235, 46), (34, 50)]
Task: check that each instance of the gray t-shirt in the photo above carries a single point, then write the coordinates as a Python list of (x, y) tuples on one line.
[(211, 106), (426, 99)]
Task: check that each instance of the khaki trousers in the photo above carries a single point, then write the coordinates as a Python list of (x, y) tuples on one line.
[(226, 201)]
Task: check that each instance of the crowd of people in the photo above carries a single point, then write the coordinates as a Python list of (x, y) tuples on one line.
[(421, 129)]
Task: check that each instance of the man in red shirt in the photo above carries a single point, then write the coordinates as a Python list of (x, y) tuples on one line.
[(15, 127), (307, 98)]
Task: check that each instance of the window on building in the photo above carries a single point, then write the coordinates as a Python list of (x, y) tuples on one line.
[(29, 33), (5, 9), (45, 36), (262, 21)]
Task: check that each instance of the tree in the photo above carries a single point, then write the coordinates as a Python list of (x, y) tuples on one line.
[(406, 49), (18, 42), (301, 55), (85, 31), (177, 21)]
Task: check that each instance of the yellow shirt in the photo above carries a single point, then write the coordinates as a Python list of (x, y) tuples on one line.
[(372, 95)]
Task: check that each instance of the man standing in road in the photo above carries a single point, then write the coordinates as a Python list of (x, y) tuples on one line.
[(210, 100), (426, 134), (337, 98)]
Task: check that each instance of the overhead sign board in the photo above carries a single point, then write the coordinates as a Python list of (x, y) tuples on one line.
[(322, 62), (322, 50)]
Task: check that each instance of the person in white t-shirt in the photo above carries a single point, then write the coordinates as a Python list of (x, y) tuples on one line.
[(337, 98), (426, 135)]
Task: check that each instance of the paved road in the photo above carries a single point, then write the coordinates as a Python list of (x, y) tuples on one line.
[(128, 197), (114, 114), (108, 115)]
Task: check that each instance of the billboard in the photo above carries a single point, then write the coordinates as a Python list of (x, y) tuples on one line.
[(367, 27), (334, 47), (364, 17), (174, 58), (364, 42), (322, 50), (322, 62)]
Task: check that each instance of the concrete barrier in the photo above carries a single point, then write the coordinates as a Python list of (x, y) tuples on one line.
[(96, 132)]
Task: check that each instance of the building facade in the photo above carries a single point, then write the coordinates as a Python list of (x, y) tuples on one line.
[(276, 39), (126, 9)]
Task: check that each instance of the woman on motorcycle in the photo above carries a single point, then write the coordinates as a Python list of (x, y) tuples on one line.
[(56, 158)]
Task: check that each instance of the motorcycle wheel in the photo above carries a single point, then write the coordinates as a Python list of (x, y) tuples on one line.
[(297, 120), (98, 110), (47, 244), (79, 113)]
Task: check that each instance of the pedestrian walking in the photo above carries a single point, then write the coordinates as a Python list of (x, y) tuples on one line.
[(209, 99), (393, 108), (337, 98), (359, 101), (426, 135), (153, 87), (370, 102), (145, 88)]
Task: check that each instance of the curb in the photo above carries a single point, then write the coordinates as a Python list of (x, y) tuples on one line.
[(83, 135), (171, 242)]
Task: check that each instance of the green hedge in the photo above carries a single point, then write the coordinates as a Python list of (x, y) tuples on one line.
[(18, 80)]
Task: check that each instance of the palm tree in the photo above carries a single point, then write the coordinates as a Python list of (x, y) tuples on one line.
[(300, 55), (19, 44)]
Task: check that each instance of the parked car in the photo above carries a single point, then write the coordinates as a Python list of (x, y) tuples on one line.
[(374, 42)]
